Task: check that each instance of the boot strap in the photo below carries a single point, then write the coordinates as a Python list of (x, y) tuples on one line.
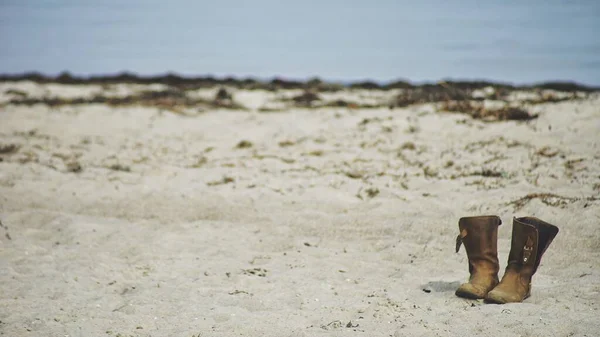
[(459, 239)]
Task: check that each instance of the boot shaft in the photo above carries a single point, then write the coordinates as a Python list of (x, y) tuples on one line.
[(530, 239), (479, 234)]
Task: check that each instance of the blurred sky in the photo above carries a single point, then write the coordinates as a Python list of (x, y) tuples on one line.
[(512, 41)]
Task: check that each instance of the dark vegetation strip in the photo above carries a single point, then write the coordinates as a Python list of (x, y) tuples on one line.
[(184, 82)]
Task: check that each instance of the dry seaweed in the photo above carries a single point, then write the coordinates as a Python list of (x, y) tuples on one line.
[(223, 95), (260, 272), (286, 143), (431, 93), (223, 181), (119, 167), (549, 199), (478, 110), (172, 99), (547, 152), (8, 148), (16, 92), (244, 144), (306, 99)]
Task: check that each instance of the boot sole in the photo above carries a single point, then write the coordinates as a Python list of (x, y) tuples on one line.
[(491, 300), (468, 295)]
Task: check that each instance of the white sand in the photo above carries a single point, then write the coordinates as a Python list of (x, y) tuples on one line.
[(298, 242)]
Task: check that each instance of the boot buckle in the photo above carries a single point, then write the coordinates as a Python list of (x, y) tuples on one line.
[(526, 254), (527, 250)]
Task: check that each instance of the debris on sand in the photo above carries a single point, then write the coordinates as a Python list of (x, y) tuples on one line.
[(244, 144), (286, 143), (16, 92), (339, 103), (354, 174), (260, 272), (351, 325), (223, 95), (429, 94), (73, 166), (547, 152), (119, 167), (315, 153), (478, 110), (170, 99), (549, 199), (6, 234), (306, 99), (236, 292), (368, 193), (332, 325), (181, 97), (224, 99), (408, 146), (225, 180), (337, 324), (8, 148)]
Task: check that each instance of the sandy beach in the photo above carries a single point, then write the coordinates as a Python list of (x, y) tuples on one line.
[(254, 212)]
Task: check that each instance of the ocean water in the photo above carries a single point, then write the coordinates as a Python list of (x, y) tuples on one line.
[(511, 41)]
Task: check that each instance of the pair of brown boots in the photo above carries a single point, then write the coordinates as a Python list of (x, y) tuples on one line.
[(530, 239)]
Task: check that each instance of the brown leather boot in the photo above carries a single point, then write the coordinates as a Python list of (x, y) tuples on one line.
[(530, 239), (480, 237)]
